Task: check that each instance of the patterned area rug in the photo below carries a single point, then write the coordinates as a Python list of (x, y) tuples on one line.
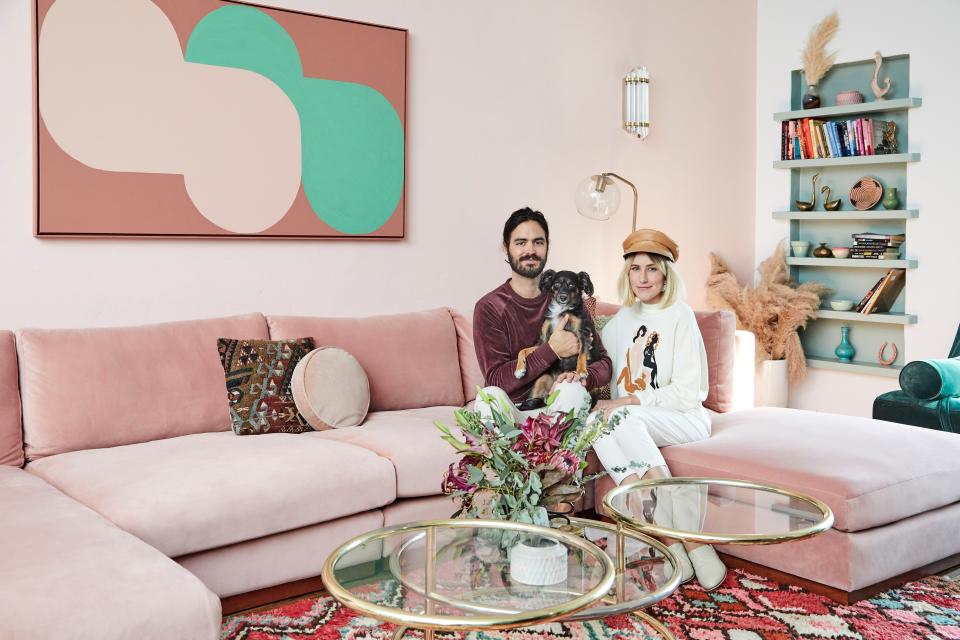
[(746, 607)]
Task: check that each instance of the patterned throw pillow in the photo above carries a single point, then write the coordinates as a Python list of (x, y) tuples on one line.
[(258, 376)]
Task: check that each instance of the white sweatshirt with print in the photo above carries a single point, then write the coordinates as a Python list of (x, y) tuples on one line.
[(658, 356)]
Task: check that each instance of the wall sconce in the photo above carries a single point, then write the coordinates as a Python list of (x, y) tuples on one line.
[(636, 102), (598, 197)]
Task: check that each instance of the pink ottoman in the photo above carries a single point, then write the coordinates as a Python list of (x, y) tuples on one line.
[(894, 491)]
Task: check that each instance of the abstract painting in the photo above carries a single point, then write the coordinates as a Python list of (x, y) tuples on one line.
[(206, 118)]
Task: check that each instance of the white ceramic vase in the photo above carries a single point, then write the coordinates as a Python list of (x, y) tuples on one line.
[(538, 565), (772, 387)]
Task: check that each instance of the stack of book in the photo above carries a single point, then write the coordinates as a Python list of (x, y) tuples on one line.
[(883, 294), (876, 246), (809, 138)]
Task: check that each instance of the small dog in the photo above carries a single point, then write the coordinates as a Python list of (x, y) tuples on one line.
[(567, 290)]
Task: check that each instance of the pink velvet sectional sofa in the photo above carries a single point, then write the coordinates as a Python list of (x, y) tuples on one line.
[(130, 509)]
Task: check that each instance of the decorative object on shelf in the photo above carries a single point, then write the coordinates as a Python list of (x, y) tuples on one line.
[(841, 305), (816, 60), (636, 102), (598, 197), (800, 248), (877, 91), (881, 355), (845, 350), (886, 132), (865, 193), (774, 309), (828, 204), (849, 97), (890, 199), (840, 252), (823, 251), (538, 561), (808, 206), (519, 471)]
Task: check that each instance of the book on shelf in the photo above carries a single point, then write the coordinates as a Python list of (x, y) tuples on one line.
[(886, 292), (809, 138)]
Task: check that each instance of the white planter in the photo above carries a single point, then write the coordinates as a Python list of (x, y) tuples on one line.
[(772, 387), (538, 565)]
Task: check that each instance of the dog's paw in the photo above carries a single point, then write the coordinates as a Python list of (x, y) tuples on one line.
[(519, 373)]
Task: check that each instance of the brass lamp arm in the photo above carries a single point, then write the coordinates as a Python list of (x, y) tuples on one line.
[(632, 186)]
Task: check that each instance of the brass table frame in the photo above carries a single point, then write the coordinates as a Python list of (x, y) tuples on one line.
[(613, 605), (429, 621), (625, 519)]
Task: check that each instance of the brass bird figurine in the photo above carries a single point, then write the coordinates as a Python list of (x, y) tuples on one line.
[(828, 204), (808, 206)]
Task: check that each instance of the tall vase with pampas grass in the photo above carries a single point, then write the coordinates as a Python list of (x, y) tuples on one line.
[(816, 60), (774, 310)]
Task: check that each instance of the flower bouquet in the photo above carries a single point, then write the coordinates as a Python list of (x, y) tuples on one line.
[(520, 471)]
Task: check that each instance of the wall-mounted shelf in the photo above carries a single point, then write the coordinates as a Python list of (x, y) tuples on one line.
[(856, 316), (833, 364), (909, 263), (892, 158), (859, 109), (902, 214)]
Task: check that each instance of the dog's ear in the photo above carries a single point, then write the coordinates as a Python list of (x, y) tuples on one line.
[(586, 285), (546, 280)]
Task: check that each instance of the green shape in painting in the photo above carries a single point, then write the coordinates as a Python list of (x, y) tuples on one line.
[(351, 136)]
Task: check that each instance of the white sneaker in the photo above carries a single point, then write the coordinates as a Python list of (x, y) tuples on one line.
[(710, 570)]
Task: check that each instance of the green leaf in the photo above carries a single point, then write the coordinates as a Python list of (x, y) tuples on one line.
[(456, 444), (474, 474)]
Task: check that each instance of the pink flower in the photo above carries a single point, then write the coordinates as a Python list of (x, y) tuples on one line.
[(540, 435), (565, 461), (457, 476)]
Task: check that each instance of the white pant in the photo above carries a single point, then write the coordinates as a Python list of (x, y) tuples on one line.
[(571, 395), (634, 445)]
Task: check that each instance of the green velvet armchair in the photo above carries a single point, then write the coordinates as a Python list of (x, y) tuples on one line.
[(942, 414)]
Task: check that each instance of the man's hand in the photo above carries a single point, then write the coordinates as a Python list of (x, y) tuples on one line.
[(607, 407), (563, 342), (569, 376)]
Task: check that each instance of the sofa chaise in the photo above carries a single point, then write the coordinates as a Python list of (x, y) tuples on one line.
[(130, 506)]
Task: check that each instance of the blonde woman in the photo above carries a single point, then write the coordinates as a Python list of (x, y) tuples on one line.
[(660, 373)]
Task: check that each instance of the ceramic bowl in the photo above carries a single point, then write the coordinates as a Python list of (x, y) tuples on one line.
[(841, 252), (849, 97), (800, 248), (841, 305)]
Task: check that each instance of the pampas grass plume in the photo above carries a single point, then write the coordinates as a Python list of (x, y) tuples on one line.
[(773, 310), (816, 60)]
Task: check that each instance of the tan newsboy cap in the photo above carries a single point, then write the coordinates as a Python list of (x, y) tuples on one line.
[(651, 241)]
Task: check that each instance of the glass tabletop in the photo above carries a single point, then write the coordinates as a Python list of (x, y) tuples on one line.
[(717, 511), (464, 565)]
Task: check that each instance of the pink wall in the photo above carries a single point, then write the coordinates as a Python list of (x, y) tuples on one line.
[(509, 103)]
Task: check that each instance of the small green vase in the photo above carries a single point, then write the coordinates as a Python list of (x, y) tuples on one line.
[(890, 199), (845, 350)]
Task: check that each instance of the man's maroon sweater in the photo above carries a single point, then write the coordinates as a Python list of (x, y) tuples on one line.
[(503, 324)]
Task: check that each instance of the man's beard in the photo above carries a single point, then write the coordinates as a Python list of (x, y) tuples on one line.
[(531, 271)]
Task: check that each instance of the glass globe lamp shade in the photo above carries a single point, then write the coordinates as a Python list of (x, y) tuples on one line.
[(597, 203)]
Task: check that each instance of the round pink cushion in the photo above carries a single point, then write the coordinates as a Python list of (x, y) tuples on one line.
[(330, 389)]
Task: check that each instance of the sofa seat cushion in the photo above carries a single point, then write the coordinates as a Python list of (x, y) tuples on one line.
[(410, 441), (69, 573), (203, 491), (870, 472)]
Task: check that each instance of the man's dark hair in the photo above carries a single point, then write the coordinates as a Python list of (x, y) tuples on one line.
[(520, 216)]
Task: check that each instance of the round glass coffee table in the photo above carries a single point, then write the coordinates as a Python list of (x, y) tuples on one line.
[(462, 565), (717, 511)]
